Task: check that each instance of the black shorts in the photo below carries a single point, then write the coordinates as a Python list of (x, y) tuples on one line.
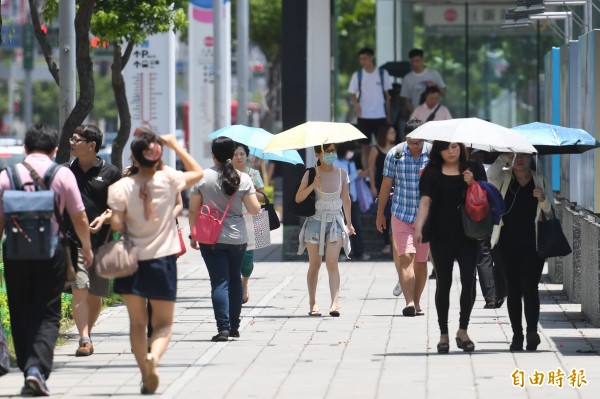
[(369, 128), (154, 279)]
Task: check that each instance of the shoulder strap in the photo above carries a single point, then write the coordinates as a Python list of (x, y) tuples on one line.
[(432, 115), (50, 173), (228, 205), (13, 176), (359, 76), (311, 175), (399, 149)]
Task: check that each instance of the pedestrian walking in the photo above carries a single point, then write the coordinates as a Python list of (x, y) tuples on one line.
[(94, 176), (34, 286), (224, 187), (326, 232), (384, 142), (345, 161), (431, 109), (419, 79), (240, 159), (402, 167), (443, 187), (526, 198), (143, 207), (370, 98)]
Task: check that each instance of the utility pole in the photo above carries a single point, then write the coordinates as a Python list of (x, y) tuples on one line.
[(243, 33), (66, 45)]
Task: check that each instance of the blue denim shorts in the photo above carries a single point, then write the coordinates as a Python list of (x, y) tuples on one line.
[(312, 232)]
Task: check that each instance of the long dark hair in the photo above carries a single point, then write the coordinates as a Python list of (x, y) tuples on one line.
[(223, 149), (142, 143), (434, 166)]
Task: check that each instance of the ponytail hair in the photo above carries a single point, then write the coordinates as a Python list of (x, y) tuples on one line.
[(223, 149)]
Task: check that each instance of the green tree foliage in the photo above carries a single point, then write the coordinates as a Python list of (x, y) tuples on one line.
[(123, 24), (356, 29)]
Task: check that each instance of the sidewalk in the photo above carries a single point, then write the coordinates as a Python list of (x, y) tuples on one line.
[(371, 351)]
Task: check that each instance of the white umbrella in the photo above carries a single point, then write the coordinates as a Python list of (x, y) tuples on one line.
[(476, 133)]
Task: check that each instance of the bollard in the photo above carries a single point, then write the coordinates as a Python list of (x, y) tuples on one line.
[(590, 270)]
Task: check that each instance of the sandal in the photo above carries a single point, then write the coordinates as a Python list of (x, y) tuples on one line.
[(467, 345), (150, 375), (315, 313), (334, 313), (443, 347)]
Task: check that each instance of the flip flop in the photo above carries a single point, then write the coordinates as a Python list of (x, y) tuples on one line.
[(334, 313), (315, 313)]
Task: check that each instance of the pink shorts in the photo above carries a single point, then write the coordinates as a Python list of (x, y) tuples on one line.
[(403, 237)]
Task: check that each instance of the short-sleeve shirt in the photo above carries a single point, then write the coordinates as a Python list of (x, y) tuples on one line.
[(93, 186), (63, 184), (404, 171), (372, 99), (153, 238), (422, 113), (447, 193), (414, 84), (210, 187)]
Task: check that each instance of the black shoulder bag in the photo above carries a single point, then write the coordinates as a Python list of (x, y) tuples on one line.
[(305, 208), (551, 240)]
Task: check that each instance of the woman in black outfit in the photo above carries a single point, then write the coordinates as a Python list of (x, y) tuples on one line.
[(385, 140), (443, 188), (525, 199)]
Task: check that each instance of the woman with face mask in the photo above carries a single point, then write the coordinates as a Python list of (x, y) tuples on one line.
[(325, 233)]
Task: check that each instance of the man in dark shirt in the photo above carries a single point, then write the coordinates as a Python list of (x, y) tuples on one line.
[(94, 176)]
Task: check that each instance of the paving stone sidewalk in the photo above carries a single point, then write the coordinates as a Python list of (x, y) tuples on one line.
[(371, 351)]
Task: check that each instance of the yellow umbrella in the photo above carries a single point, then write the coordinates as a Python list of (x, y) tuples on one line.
[(310, 134)]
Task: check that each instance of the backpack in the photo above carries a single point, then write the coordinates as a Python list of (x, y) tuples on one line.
[(29, 232), (359, 76)]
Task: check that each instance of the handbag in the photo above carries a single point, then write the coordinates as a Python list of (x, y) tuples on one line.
[(305, 208), (181, 240), (269, 207), (476, 202), (116, 259), (257, 226), (551, 240), (208, 226), (365, 198), (477, 230)]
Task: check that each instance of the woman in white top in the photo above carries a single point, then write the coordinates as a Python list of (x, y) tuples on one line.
[(326, 232), (142, 205)]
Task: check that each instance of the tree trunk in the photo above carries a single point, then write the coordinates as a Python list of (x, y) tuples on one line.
[(41, 39), (118, 85), (87, 89)]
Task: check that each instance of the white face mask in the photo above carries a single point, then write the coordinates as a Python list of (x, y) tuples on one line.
[(349, 155)]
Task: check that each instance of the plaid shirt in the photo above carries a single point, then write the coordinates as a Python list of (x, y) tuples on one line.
[(404, 172)]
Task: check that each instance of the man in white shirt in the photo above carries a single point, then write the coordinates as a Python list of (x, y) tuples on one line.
[(431, 109), (421, 77), (370, 98)]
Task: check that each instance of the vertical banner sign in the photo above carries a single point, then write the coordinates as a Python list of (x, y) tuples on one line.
[(201, 79), (150, 84)]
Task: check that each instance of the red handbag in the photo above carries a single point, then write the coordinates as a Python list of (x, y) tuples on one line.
[(476, 204), (181, 240), (208, 226)]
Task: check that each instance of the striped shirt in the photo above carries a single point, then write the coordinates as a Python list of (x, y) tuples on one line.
[(404, 171)]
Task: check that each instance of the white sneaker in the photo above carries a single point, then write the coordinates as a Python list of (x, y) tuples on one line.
[(397, 289)]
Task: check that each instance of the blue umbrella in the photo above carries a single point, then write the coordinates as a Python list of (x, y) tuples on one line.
[(554, 139), (256, 139)]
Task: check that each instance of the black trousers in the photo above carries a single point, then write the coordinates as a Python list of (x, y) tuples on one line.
[(444, 252), (34, 291), (523, 269), (485, 270)]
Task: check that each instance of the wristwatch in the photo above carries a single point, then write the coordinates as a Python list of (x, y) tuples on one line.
[(190, 236)]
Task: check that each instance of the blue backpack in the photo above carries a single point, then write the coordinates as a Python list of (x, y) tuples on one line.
[(29, 232), (495, 199)]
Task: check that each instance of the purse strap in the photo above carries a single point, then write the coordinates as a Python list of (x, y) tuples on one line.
[(228, 205)]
